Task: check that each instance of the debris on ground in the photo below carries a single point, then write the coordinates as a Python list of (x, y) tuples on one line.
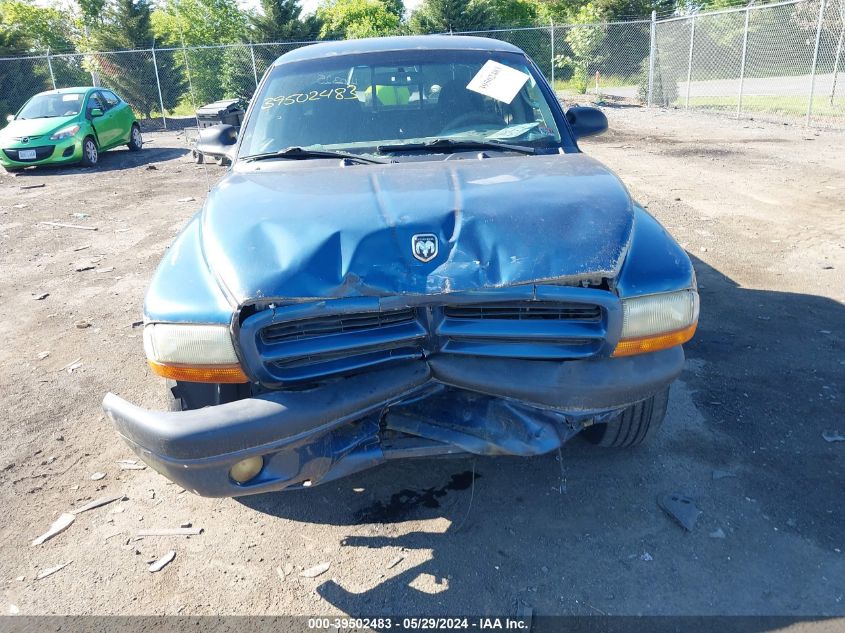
[(681, 508), (646, 557), (162, 562), (82, 269), (81, 216), (72, 367), (97, 476), (137, 324), (42, 296), (81, 248), (188, 531), (37, 186), (82, 325), (186, 524), (833, 436), (43, 355), (315, 571), (717, 533), (151, 167), (70, 226), (130, 464), (722, 474), (59, 525), (51, 570), (188, 199), (102, 501), (395, 562), (105, 270)]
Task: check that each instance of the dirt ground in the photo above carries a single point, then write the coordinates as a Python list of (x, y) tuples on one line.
[(761, 209)]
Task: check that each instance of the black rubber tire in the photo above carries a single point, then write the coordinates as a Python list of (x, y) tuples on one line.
[(135, 143), (187, 396), (198, 157), (86, 158), (633, 426), (13, 170)]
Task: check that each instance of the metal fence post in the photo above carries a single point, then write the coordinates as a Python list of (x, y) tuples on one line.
[(838, 55), (254, 69), (552, 31), (652, 50), (689, 61), (50, 66), (742, 65), (158, 85), (815, 61)]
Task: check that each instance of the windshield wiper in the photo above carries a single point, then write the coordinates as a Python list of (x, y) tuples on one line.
[(301, 153), (451, 145)]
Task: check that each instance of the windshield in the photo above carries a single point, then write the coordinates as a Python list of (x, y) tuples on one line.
[(54, 105), (371, 103)]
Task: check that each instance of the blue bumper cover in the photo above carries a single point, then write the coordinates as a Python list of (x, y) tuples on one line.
[(444, 405)]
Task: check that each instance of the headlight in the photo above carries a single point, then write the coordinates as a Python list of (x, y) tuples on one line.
[(65, 132), (194, 353), (656, 322)]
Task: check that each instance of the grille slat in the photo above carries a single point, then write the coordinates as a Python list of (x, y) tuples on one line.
[(525, 311), (334, 324)]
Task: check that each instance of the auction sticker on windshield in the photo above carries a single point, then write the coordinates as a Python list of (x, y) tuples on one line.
[(498, 81)]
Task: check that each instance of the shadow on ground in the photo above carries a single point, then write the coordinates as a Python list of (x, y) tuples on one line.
[(112, 160), (586, 537)]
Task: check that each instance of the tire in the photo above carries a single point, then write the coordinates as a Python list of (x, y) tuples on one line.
[(198, 157), (221, 161), (90, 153), (136, 141), (13, 170), (187, 396), (636, 424)]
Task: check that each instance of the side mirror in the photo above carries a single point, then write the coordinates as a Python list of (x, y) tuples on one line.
[(10, 118), (95, 112), (586, 121)]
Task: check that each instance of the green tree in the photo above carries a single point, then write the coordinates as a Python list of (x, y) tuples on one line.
[(19, 78), (584, 43), (442, 16), (351, 19), (125, 25), (199, 23)]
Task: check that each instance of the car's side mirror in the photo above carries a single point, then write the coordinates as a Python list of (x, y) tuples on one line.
[(95, 112), (586, 121), (10, 118)]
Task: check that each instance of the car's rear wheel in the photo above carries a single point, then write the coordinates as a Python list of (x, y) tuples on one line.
[(136, 142), (633, 426), (187, 396), (90, 153)]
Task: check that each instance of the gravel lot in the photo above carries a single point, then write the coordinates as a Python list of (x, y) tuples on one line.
[(760, 208)]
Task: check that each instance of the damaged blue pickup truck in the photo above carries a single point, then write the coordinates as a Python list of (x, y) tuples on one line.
[(409, 257)]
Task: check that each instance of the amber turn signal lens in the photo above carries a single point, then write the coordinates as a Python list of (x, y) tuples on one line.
[(655, 343), (218, 373)]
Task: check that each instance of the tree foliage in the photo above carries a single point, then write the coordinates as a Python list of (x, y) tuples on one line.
[(352, 19), (443, 16)]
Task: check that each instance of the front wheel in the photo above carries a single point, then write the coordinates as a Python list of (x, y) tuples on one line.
[(633, 426), (90, 154), (136, 142)]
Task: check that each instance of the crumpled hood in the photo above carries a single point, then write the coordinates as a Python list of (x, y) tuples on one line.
[(34, 127), (307, 229)]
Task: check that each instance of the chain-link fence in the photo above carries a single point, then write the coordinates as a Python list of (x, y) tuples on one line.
[(781, 60)]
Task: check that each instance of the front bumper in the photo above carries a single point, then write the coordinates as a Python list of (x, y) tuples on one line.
[(64, 151), (444, 405)]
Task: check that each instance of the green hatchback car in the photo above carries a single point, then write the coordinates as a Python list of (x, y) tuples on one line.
[(70, 125)]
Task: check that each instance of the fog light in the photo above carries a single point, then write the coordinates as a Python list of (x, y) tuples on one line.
[(246, 469)]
